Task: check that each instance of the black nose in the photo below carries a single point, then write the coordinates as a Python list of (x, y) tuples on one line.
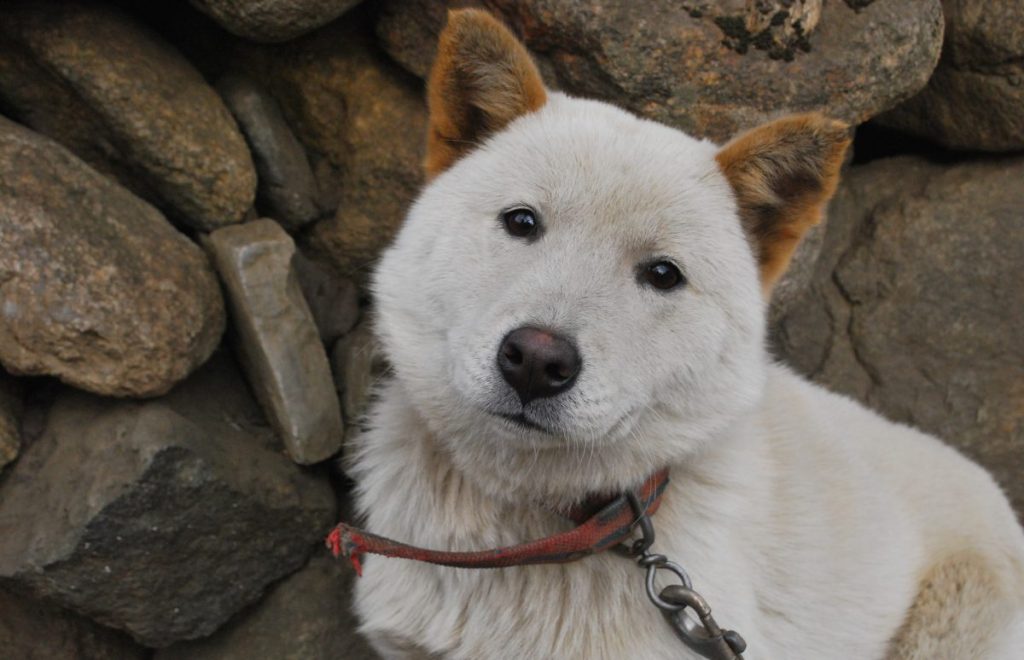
[(537, 363)]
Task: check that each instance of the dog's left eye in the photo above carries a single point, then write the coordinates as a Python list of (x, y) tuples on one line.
[(663, 275), (521, 223)]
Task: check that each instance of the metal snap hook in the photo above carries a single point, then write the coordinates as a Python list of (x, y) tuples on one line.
[(653, 594)]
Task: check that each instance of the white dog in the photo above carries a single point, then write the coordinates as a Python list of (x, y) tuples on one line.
[(577, 301)]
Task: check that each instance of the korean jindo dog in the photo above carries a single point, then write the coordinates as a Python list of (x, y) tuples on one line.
[(577, 301)]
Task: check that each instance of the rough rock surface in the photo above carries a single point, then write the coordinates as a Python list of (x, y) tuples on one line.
[(11, 407), (333, 300), (306, 616), (96, 287), (273, 20), (916, 308), (128, 104), (162, 518), (697, 65), (363, 122), (287, 190), (30, 630), (281, 351), (975, 98), (358, 362)]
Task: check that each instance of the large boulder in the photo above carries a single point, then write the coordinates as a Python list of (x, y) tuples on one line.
[(707, 68), (162, 518), (273, 20), (975, 98), (306, 616), (363, 123), (916, 306), (96, 287), (278, 340), (128, 104), (30, 630)]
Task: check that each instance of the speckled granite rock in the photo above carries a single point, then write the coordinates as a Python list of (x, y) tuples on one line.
[(709, 68), (273, 20), (127, 103), (97, 288)]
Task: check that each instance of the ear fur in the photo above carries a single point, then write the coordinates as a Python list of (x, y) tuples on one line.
[(481, 80), (783, 174)]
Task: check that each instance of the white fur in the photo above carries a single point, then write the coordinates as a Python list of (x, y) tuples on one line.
[(807, 521)]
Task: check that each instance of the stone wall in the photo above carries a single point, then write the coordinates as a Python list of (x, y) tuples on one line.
[(191, 198)]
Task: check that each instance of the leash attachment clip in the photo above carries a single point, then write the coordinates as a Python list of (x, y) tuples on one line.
[(702, 635)]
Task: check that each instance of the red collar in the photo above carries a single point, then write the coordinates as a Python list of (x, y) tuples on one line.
[(611, 525)]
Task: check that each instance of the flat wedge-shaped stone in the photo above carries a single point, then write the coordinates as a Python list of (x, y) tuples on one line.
[(161, 518), (278, 339)]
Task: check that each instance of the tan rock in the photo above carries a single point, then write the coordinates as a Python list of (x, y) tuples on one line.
[(709, 68), (283, 358), (96, 287), (128, 104), (363, 122)]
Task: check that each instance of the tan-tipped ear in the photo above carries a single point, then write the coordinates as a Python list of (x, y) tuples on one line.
[(783, 174), (482, 79)]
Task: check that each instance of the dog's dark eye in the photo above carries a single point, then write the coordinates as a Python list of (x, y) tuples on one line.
[(663, 275), (520, 222)]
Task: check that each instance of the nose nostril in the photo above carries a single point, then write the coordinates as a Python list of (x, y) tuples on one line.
[(512, 354), (558, 372)]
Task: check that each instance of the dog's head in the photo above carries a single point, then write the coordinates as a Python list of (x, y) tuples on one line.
[(579, 290)]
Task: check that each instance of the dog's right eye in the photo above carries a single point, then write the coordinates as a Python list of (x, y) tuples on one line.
[(521, 223)]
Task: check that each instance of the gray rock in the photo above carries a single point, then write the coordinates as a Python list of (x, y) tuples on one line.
[(306, 616), (30, 630), (709, 68), (798, 276), (281, 351), (287, 190), (362, 121), (273, 20), (333, 300), (128, 104), (11, 407), (917, 304), (161, 518), (358, 362), (98, 288), (975, 98)]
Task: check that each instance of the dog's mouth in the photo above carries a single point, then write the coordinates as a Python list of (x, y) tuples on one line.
[(520, 420)]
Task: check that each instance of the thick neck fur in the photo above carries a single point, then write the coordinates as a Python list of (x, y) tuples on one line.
[(467, 462)]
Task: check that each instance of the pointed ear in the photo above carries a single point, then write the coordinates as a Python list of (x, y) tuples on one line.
[(482, 79), (783, 174)]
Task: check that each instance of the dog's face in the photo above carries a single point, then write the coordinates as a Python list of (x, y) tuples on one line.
[(578, 281)]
